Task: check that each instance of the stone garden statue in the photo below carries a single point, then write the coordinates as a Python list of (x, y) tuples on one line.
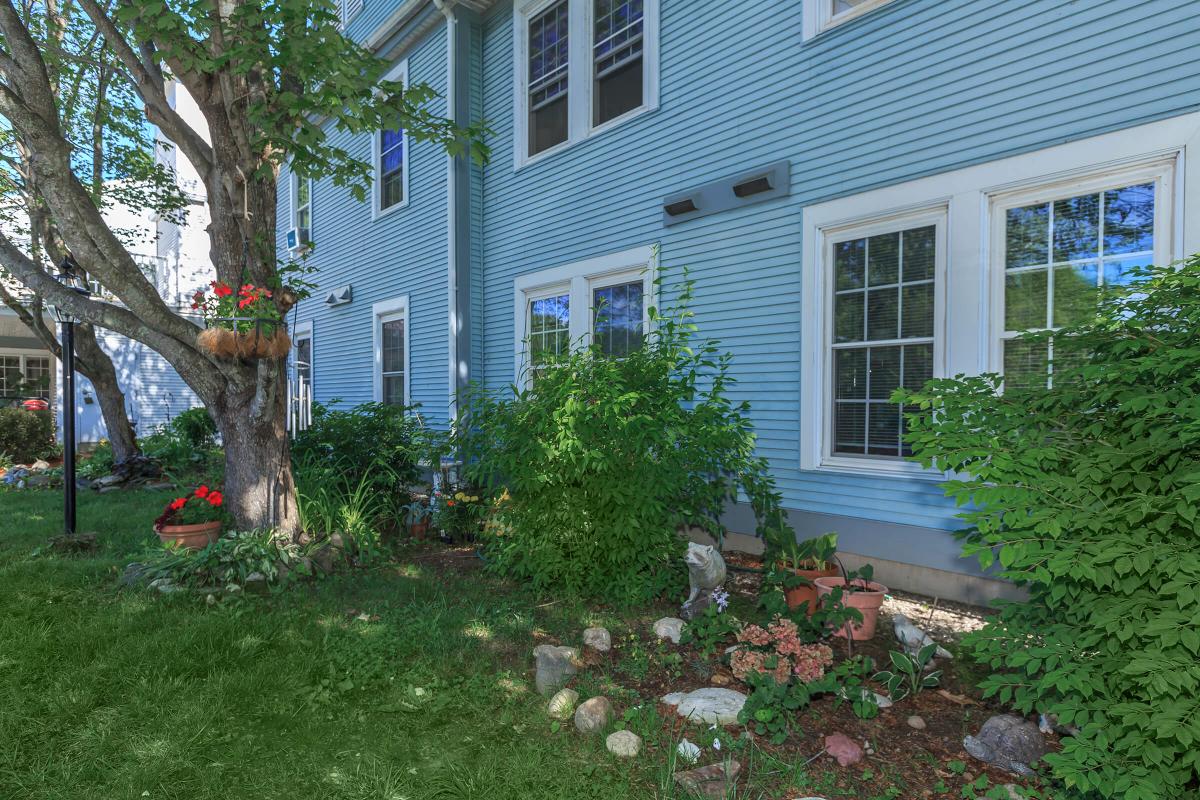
[(706, 573)]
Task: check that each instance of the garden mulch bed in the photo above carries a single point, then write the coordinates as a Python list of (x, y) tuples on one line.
[(903, 763)]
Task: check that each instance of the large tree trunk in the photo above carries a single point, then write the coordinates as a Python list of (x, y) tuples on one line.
[(103, 375), (259, 490)]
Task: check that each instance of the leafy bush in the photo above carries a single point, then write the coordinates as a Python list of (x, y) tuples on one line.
[(1087, 491), (604, 458), (98, 462), (329, 503), (361, 440), (26, 436), (907, 675), (229, 559), (195, 427)]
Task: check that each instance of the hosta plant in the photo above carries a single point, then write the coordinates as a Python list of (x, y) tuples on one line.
[(907, 675), (1086, 489)]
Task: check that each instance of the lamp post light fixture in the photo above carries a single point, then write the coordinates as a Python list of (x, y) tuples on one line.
[(69, 277)]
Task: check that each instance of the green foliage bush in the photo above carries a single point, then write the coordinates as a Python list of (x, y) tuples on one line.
[(195, 427), (230, 559), (361, 439), (603, 458), (26, 436), (1087, 493)]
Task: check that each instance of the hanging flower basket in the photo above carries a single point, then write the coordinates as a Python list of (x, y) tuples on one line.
[(266, 338), (242, 324)]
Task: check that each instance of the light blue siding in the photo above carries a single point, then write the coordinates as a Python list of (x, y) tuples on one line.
[(912, 89), (401, 253)]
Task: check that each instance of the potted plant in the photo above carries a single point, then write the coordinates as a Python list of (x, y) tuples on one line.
[(416, 518), (459, 514), (855, 591), (806, 562), (243, 323), (193, 521)]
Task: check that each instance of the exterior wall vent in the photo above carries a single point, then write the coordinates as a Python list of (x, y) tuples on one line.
[(340, 296), (752, 186)]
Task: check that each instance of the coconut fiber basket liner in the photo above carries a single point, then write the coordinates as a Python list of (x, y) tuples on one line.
[(262, 342)]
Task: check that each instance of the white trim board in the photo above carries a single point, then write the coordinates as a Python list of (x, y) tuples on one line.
[(969, 195), (577, 279), (399, 72), (381, 312)]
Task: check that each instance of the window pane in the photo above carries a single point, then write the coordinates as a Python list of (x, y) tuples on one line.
[(1119, 271), (918, 365), (393, 389), (883, 429), (618, 92), (1024, 363), (548, 78), (549, 328), (393, 346), (617, 318), (1077, 228), (883, 259), (848, 317), (10, 375), (849, 259), (391, 190), (883, 313), (1075, 293), (917, 318), (1129, 219), (1027, 236), (1025, 300), (548, 126), (849, 428), (617, 53), (884, 376), (302, 188), (850, 374), (842, 6), (919, 254)]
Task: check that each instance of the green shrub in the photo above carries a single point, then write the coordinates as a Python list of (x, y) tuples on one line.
[(604, 458), (230, 559), (362, 439), (26, 436), (1087, 493), (195, 427), (98, 463)]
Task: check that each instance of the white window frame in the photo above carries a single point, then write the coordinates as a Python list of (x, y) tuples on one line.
[(1159, 171), (969, 285), (24, 356), (293, 202), (579, 75), (577, 281), (387, 311), (819, 16), (819, 392), (303, 331), (397, 73)]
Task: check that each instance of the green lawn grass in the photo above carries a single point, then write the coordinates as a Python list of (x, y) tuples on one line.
[(124, 693)]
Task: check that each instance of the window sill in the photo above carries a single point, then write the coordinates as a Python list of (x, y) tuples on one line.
[(879, 468), (377, 213), (599, 130)]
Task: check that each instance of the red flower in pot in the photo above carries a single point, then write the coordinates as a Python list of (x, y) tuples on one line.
[(192, 521)]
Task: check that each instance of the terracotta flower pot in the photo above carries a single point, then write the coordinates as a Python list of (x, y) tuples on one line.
[(193, 537), (867, 598), (801, 594), (419, 530)]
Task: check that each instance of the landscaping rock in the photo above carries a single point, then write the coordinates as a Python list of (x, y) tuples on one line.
[(562, 704), (599, 639), (160, 486), (593, 715), (624, 744), (713, 705), (39, 466), (256, 583), (165, 586), (134, 574), (844, 749), (713, 781), (669, 628), (916, 723), (555, 666), (688, 751), (1008, 742)]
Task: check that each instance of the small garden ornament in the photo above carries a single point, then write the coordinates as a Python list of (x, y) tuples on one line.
[(1009, 742), (706, 573), (913, 638)]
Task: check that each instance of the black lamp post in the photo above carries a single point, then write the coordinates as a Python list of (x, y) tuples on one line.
[(69, 277)]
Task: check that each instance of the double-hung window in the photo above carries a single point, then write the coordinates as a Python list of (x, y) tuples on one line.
[(820, 15), (603, 302), (1060, 249), (581, 64), (301, 209), (391, 159), (390, 319), (24, 376)]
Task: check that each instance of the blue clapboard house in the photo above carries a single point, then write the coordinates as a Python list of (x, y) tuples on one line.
[(867, 193)]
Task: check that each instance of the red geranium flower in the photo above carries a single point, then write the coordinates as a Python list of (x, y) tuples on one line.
[(201, 491), (215, 499), (222, 290), (178, 503)]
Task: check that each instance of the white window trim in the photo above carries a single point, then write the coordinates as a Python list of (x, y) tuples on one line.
[(294, 210), (304, 330), (819, 16), (397, 73), (578, 280), (25, 355), (818, 385), (1160, 171), (579, 75), (970, 277), (381, 312)]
